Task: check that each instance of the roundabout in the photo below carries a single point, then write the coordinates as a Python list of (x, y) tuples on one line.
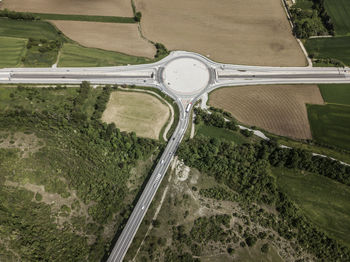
[(186, 76)]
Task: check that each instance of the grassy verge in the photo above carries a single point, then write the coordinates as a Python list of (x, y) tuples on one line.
[(89, 18), (75, 56), (12, 51), (330, 124), (330, 211), (337, 48)]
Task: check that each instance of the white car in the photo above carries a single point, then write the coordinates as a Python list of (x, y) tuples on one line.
[(143, 207)]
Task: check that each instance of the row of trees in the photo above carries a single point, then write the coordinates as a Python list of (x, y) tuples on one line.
[(216, 119), (18, 15)]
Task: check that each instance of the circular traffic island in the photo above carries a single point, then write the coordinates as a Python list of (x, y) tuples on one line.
[(186, 76)]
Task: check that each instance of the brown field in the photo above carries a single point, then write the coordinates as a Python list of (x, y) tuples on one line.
[(72, 7), (278, 109), (251, 32), (139, 112), (124, 38)]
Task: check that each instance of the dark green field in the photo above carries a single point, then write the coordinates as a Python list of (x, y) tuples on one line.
[(330, 124), (322, 200), (339, 11), (335, 47), (336, 93)]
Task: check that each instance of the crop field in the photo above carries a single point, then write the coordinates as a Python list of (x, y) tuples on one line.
[(124, 38), (335, 47), (278, 109), (76, 56), (76, 7), (330, 211), (336, 93), (11, 51), (330, 124), (141, 113), (240, 32), (339, 10)]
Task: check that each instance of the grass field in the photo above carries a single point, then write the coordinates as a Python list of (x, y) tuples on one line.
[(124, 38), (240, 32), (339, 11), (330, 124), (12, 50), (324, 201), (76, 7), (139, 112), (90, 18), (26, 29), (228, 135), (336, 93), (75, 56), (335, 47), (278, 109)]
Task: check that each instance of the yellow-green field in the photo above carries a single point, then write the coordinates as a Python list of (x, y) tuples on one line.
[(11, 51), (141, 113)]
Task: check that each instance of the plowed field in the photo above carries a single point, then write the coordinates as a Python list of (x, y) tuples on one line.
[(278, 109), (251, 32)]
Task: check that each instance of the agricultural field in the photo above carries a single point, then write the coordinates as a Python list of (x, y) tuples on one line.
[(124, 38), (137, 112), (336, 93), (77, 56), (339, 10), (278, 109), (329, 48), (330, 124), (76, 7), (12, 50), (50, 178), (330, 211), (240, 32)]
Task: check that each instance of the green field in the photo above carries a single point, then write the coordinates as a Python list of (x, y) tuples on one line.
[(335, 47), (339, 11), (90, 18), (11, 51), (27, 29), (228, 135), (324, 201), (75, 55), (336, 93), (330, 124)]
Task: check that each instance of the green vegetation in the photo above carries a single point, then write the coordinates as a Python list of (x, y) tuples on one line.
[(336, 93), (41, 52), (310, 18), (339, 11), (12, 50), (49, 137), (330, 211), (75, 55), (89, 18), (220, 133), (330, 124), (327, 51)]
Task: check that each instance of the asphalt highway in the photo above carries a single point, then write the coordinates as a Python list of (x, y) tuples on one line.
[(152, 75)]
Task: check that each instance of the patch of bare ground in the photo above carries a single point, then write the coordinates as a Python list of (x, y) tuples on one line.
[(230, 31), (75, 7), (279, 109), (139, 112), (124, 38), (26, 143)]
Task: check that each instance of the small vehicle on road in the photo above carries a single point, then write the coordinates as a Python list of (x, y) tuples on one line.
[(143, 207)]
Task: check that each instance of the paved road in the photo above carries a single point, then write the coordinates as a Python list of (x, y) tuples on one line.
[(152, 75)]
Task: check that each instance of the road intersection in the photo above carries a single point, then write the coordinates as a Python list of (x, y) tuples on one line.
[(185, 77)]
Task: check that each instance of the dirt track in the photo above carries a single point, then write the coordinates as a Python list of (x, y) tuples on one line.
[(73, 7), (278, 109), (232, 31), (124, 38)]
